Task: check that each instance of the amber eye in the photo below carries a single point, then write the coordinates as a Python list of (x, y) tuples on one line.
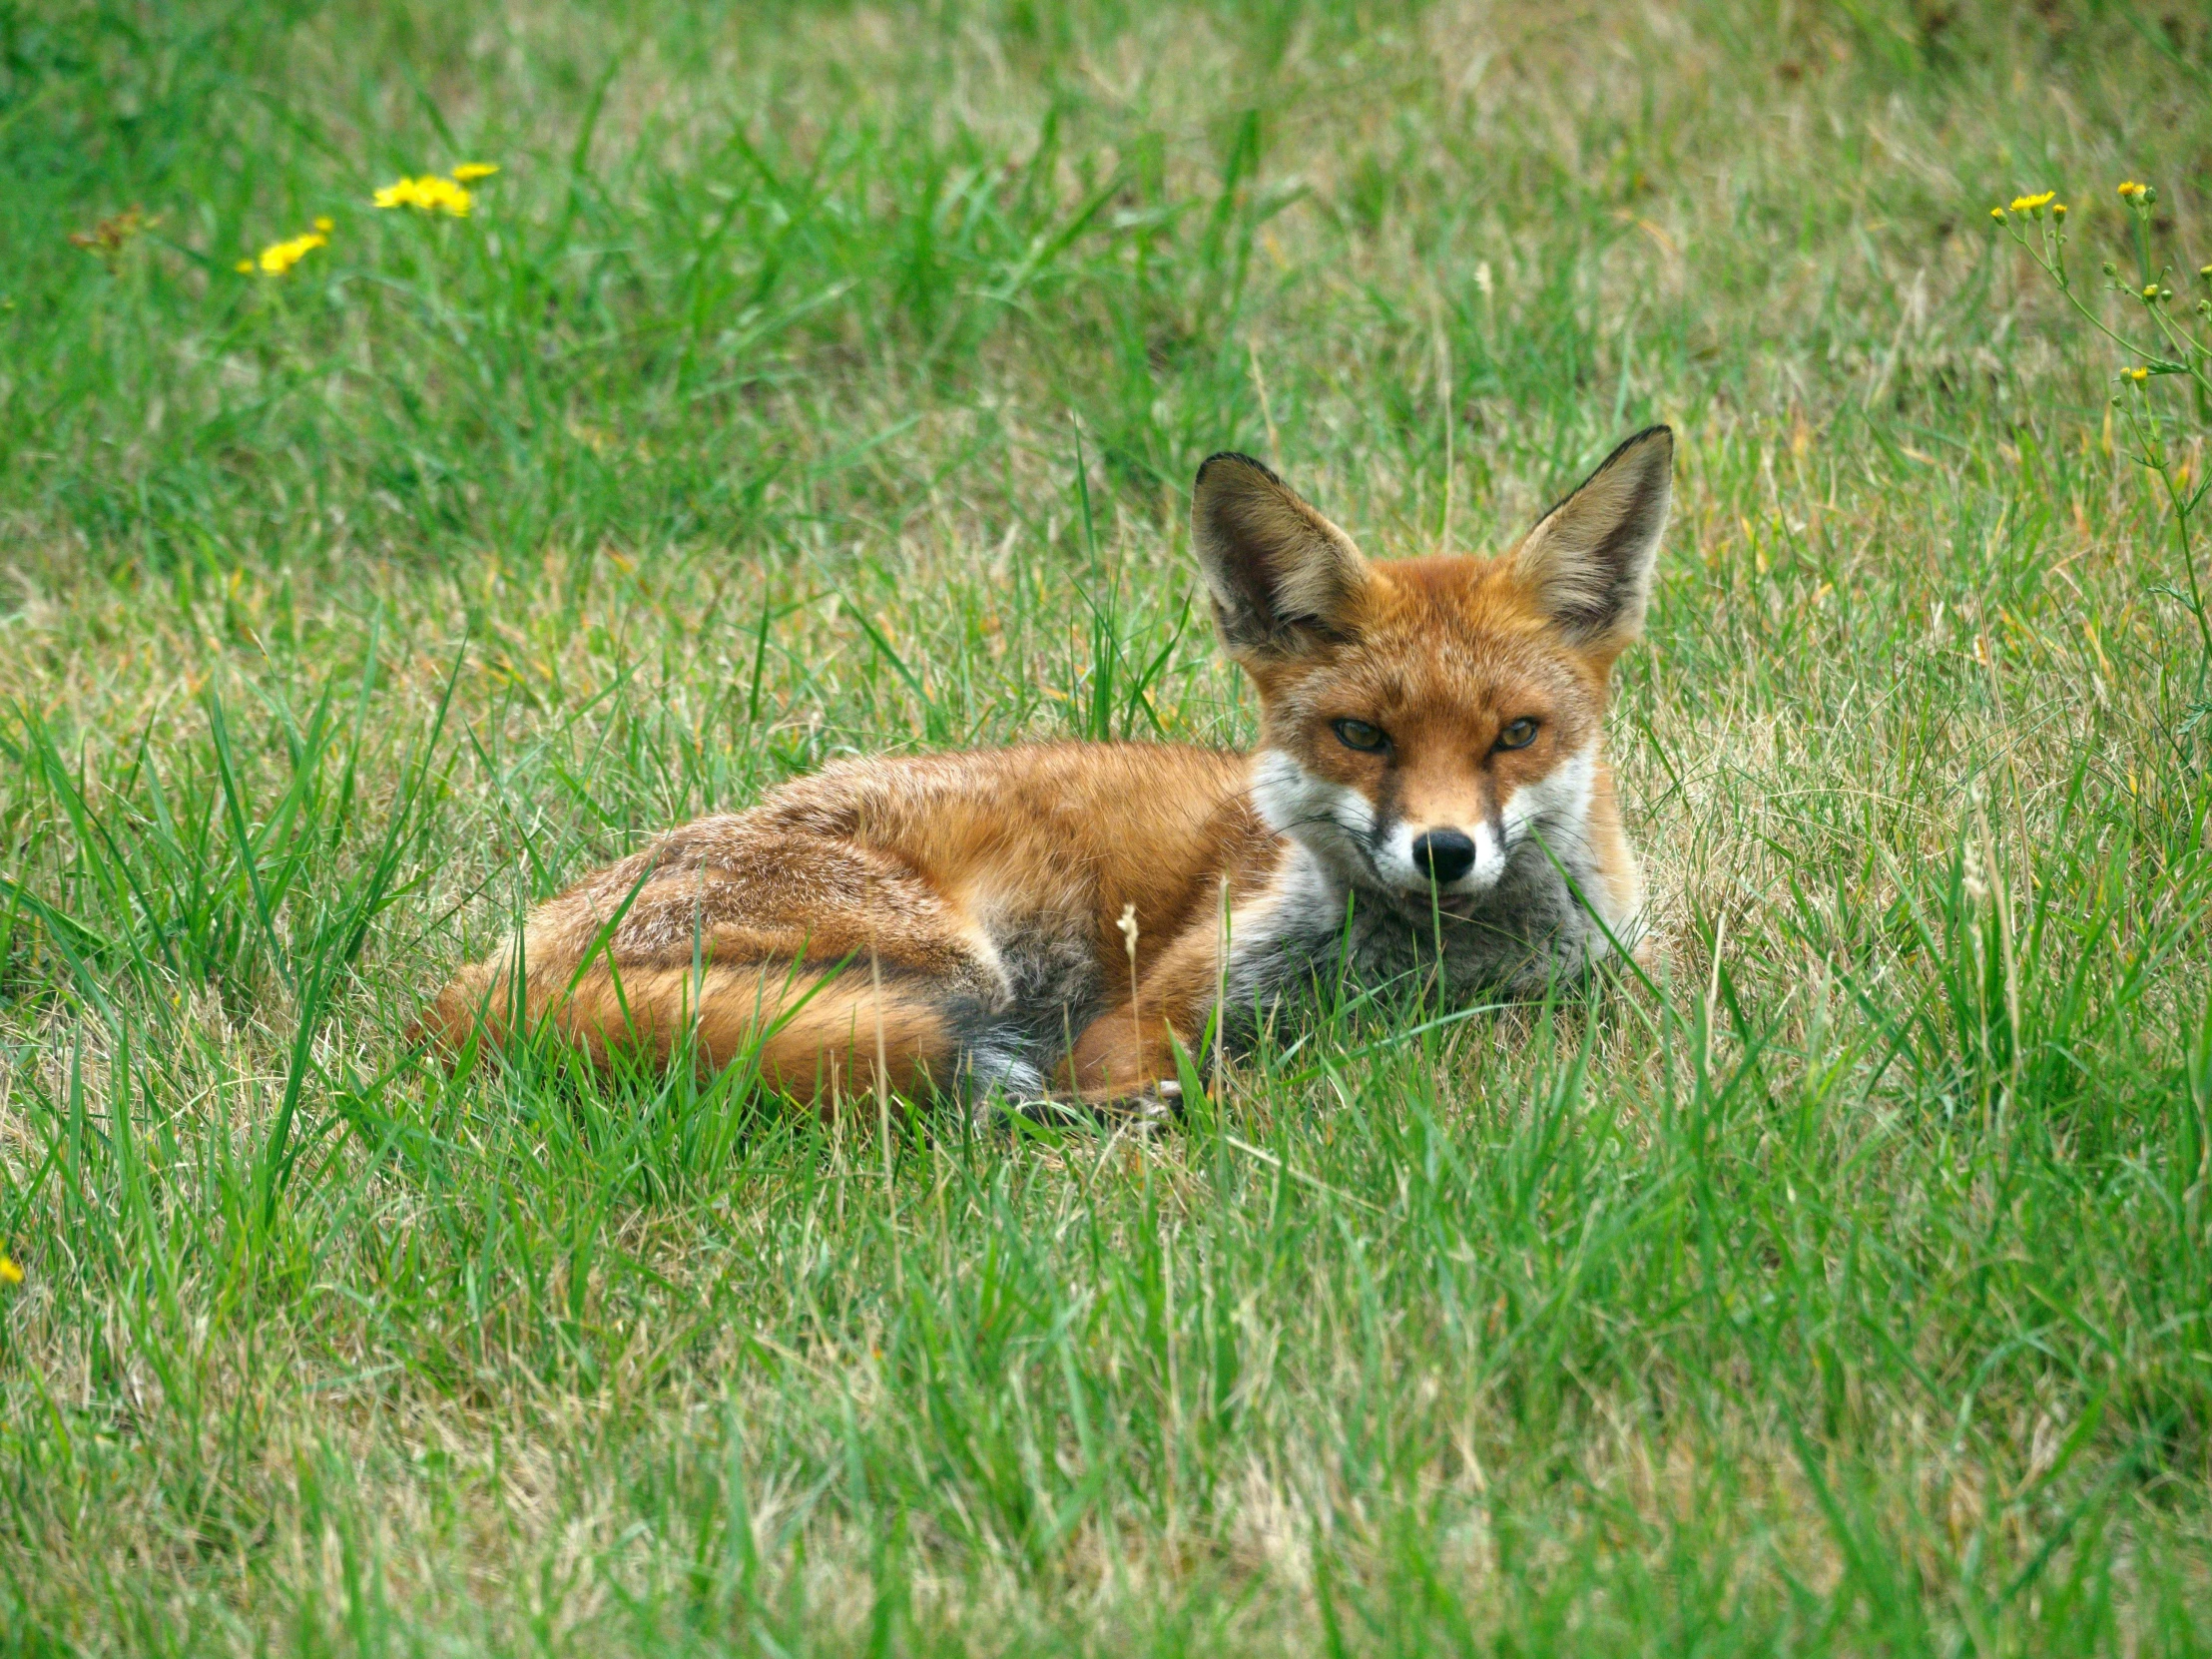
[(1519, 735), (1358, 733)]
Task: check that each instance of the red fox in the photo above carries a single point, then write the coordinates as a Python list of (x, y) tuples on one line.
[(1429, 798)]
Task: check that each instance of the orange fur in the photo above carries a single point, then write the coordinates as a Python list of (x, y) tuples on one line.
[(954, 922)]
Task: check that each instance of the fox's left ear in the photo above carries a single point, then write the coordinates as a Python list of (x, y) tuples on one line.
[(1589, 559)]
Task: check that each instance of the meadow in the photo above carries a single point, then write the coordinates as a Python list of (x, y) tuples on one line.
[(816, 380)]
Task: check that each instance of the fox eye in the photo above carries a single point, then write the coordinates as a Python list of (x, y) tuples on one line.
[(1358, 733), (1519, 735)]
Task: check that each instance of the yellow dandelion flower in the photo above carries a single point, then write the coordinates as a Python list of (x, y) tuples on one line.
[(2029, 204), (2128, 187), (2138, 376), (1997, 214), (432, 193), (280, 256), (470, 171), (10, 1273), (2058, 210), (447, 196)]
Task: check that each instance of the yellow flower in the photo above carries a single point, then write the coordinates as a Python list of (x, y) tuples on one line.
[(280, 256), (470, 170), (326, 224), (2150, 291), (10, 1273), (2058, 210), (2138, 376), (432, 193), (1997, 214), (446, 195), (2128, 187), (2029, 204)]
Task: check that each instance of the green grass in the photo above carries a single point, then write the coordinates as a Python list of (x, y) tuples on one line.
[(819, 379)]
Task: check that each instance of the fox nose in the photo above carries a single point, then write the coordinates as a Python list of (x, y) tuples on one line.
[(1444, 854)]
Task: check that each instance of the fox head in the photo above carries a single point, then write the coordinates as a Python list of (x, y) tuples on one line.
[(1423, 719)]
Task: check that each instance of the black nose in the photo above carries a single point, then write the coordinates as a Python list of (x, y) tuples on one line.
[(1446, 855)]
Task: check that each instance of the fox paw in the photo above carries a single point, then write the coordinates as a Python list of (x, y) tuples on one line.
[(1155, 1108), (1144, 1112)]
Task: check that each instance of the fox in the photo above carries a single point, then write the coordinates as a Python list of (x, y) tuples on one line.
[(1077, 923)]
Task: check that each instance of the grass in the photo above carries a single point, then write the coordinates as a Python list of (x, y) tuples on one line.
[(818, 380)]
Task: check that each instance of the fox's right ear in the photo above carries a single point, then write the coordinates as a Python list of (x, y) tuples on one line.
[(1284, 580)]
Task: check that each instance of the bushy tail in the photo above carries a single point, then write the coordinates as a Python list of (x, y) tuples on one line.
[(469, 1014), (813, 1035)]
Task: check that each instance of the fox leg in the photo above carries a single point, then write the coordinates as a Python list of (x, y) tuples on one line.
[(1127, 1054), (833, 968)]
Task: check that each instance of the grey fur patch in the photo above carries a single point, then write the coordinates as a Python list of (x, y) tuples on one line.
[(1316, 931), (1052, 992), (1052, 972), (989, 1068)]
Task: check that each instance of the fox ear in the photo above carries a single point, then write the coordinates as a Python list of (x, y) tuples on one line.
[(1589, 559), (1284, 580)]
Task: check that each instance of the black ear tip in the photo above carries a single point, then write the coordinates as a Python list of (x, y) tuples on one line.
[(1653, 444), (1233, 458)]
